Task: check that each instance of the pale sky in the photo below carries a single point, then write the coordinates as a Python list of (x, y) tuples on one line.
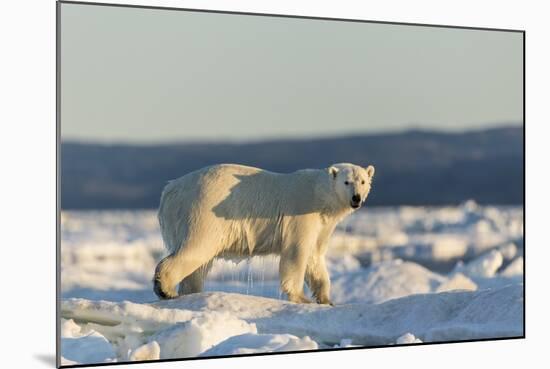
[(150, 76)]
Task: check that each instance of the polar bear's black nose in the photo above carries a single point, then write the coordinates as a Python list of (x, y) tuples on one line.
[(356, 198)]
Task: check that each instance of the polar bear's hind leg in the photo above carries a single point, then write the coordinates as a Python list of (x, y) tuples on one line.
[(174, 268), (194, 282)]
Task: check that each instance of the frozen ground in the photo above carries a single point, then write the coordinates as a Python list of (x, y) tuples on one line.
[(399, 276)]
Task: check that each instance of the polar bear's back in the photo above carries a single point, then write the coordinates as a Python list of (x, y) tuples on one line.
[(216, 182), (240, 201), (219, 195)]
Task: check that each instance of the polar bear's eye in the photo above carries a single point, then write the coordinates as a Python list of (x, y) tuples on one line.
[(346, 183), (363, 182)]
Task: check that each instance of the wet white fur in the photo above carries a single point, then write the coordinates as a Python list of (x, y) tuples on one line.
[(234, 211)]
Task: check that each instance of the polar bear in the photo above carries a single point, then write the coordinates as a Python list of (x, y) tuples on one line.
[(235, 211)]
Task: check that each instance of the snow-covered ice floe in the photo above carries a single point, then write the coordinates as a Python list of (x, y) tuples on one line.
[(401, 275), (220, 323)]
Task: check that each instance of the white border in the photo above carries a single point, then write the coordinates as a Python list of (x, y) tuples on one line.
[(27, 114)]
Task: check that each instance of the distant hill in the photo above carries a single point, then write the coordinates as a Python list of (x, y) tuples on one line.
[(414, 168)]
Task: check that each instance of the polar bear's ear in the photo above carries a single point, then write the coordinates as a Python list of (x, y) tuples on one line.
[(370, 171), (333, 171)]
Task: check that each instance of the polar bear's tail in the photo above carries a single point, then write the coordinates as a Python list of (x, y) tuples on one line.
[(169, 216)]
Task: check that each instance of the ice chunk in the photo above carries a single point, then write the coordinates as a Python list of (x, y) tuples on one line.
[(458, 281), (70, 329), (253, 343), (199, 334), (484, 266), (384, 281), (79, 346), (65, 361), (508, 251), (407, 338), (515, 268), (149, 351), (449, 247), (87, 349), (342, 264)]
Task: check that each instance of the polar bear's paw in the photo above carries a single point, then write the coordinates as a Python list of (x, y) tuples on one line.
[(162, 293), (299, 299), (325, 301), (161, 287), (164, 281)]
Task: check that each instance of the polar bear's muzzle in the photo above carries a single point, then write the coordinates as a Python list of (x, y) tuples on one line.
[(355, 201)]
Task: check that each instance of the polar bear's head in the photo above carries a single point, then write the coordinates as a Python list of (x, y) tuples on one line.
[(351, 183)]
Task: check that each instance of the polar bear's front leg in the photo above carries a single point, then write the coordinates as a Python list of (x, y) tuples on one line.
[(292, 269), (318, 279)]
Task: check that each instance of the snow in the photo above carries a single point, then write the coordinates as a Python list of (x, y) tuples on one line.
[(191, 338), (456, 315), (508, 251), (514, 269), (257, 343), (457, 281), (407, 338), (484, 266), (344, 342), (84, 346), (399, 276), (148, 351), (384, 281)]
